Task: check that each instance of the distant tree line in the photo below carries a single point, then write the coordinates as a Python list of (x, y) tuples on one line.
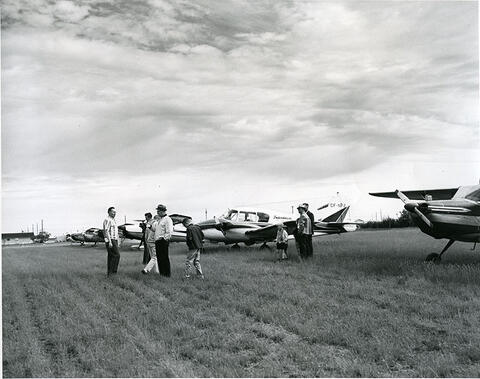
[(403, 221)]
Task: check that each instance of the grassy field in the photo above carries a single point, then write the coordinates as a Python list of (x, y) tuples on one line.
[(366, 305)]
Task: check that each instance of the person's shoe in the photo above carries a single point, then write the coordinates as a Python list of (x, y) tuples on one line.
[(187, 276), (144, 272)]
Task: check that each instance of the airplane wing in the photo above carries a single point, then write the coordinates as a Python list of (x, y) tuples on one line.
[(437, 194), (177, 218), (269, 233)]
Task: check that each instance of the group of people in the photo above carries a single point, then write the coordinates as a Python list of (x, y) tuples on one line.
[(158, 231), (303, 235)]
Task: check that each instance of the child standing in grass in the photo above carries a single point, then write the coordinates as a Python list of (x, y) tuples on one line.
[(282, 242)]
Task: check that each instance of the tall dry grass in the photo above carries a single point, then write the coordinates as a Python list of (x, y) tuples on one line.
[(366, 305)]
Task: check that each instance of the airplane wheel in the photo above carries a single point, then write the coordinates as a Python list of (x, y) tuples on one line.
[(236, 246), (434, 257)]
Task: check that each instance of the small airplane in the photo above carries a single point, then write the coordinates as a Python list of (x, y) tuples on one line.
[(90, 235), (251, 226), (135, 232), (451, 213), (41, 237)]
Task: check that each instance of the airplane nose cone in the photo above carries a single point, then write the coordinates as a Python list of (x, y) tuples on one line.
[(410, 207)]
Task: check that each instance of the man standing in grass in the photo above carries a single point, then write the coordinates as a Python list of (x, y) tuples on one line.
[(110, 232), (310, 234), (163, 229), (304, 227), (195, 245), (149, 236)]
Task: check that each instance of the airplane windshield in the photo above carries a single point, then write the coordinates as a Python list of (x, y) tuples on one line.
[(232, 215), (475, 196), (248, 217)]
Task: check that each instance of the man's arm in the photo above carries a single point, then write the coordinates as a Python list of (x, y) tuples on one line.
[(168, 228), (106, 233)]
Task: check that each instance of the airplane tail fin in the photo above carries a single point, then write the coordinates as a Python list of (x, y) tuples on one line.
[(338, 216)]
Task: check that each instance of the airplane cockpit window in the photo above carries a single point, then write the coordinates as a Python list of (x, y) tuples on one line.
[(248, 217), (263, 217), (232, 215), (475, 196)]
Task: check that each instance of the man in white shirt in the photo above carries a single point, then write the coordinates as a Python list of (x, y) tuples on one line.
[(110, 232), (163, 229)]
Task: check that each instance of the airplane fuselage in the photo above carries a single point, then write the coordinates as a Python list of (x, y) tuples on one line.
[(457, 219)]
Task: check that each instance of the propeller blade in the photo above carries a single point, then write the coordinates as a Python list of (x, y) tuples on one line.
[(402, 196), (423, 217)]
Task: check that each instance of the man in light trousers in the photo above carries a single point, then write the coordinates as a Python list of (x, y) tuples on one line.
[(195, 245), (150, 245)]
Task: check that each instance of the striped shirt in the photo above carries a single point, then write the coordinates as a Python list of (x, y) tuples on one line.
[(110, 229)]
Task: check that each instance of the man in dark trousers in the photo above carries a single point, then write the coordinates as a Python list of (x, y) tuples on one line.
[(163, 229), (195, 245), (304, 227), (309, 236), (110, 232)]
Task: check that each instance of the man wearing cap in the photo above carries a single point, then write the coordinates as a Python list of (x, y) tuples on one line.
[(110, 232), (304, 226), (163, 229), (195, 245), (309, 235), (149, 236)]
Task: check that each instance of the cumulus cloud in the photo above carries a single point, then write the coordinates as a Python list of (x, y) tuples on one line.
[(94, 89)]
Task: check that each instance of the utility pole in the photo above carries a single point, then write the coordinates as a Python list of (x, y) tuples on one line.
[(42, 226), (206, 214), (37, 227)]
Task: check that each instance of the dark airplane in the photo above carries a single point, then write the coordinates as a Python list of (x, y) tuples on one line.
[(90, 235), (451, 213)]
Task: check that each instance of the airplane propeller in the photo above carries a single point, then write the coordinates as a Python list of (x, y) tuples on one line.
[(413, 206)]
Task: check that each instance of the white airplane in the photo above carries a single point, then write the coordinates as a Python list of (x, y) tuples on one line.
[(251, 226)]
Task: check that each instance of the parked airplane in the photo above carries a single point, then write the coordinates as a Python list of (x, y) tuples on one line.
[(451, 213), (252, 226), (135, 232), (90, 235)]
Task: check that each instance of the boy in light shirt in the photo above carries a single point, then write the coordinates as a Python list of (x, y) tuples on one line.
[(282, 242)]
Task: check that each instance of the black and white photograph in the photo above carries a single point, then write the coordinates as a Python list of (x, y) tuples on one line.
[(240, 188)]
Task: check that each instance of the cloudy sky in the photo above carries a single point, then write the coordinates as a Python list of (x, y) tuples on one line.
[(210, 104)]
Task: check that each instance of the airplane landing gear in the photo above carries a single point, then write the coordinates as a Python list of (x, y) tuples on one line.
[(236, 246), (436, 258)]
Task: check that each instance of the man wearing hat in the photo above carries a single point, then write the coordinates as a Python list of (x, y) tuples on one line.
[(309, 236), (163, 229), (304, 227)]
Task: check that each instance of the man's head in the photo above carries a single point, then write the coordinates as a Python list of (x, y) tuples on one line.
[(161, 210), (305, 206), (301, 209), (112, 212), (186, 221), (148, 216)]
